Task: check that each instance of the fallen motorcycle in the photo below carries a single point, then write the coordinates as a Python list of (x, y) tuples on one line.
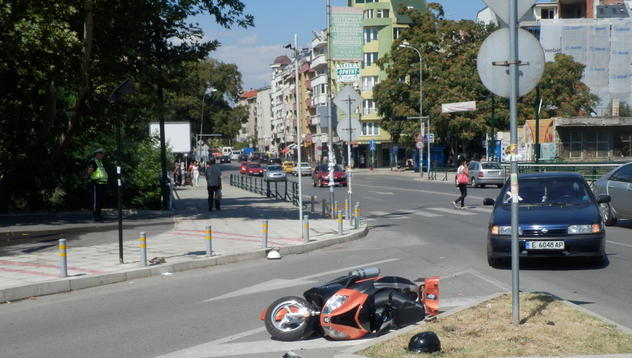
[(351, 306)]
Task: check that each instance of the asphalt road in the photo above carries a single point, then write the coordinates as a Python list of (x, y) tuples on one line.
[(215, 312)]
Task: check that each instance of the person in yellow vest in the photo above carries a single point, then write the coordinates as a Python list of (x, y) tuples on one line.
[(98, 180)]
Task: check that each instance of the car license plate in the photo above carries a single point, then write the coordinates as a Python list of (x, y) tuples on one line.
[(544, 245)]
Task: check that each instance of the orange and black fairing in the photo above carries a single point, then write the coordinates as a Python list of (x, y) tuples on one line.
[(430, 295), (352, 320)]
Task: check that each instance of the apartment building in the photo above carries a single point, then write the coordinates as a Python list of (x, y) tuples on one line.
[(264, 120), (247, 132)]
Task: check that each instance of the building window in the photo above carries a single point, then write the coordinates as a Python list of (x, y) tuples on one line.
[(369, 59), (369, 14), (547, 13), (368, 82), (370, 34), (368, 106), (382, 13), (370, 129), (397, 31)]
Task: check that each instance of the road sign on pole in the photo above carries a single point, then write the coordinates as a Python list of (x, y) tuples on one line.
[(348, 100), (420, 145), (372, 145), (501, 8)]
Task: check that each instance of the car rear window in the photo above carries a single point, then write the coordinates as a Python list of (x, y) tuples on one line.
[(254, 166), (274, 167), (491, 166)]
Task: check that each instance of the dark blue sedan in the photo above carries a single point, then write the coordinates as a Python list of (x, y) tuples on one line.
[(558, 217)]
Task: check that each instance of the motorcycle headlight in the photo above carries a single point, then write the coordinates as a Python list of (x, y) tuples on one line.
[(583, 229), (334, 302)]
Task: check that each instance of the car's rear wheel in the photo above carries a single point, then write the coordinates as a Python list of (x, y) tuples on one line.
[(606, 214), (475, 183)]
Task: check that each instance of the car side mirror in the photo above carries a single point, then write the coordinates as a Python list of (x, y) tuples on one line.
[(489, 201), (604, 199)]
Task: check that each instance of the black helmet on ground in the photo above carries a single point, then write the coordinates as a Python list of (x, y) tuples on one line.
[(424, 342)]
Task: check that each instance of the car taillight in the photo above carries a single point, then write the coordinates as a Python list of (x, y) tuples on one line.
[(480, 174)]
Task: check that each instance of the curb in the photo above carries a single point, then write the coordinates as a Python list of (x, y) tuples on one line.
[(77, 283), (351, 352)]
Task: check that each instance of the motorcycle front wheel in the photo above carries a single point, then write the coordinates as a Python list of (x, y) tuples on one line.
[(284, 328)]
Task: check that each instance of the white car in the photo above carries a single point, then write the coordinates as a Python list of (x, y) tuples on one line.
[(306, 169), (235, 155)]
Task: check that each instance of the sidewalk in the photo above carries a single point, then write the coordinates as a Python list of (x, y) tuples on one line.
[(236, 236)]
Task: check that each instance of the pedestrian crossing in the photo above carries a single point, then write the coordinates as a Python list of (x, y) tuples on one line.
[(432, 212)]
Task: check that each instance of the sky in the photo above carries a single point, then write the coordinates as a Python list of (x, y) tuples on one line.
[(276, 22)]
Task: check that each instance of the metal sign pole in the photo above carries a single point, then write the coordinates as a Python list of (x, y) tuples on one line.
[(298, 134), (513, 109), (349, 192), (330, 138)]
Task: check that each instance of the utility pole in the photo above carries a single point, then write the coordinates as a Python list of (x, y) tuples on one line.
[(330, 137), (298, 133)]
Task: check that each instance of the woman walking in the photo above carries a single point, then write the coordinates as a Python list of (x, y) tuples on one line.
[(195, 169), (462, 179)]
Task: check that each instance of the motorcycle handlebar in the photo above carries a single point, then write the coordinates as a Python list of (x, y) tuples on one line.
[(365, 272)]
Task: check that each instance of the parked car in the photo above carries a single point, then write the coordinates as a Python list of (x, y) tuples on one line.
[(305, 169), (320, 177), (243, 168), (486, 173), (274, 172), (243, 158), (287, 166), (618, 185), (273, 161), (236, 154), (255, 169), (224, 159), (558, 214)]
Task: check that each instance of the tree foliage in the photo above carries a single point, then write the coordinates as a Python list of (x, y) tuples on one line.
[(449, 51), (60, 60)]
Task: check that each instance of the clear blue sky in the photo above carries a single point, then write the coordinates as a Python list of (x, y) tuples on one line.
[(276, 22)]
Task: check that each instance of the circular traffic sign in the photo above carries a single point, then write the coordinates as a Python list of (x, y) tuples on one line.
[(420, 145), (493, 58)]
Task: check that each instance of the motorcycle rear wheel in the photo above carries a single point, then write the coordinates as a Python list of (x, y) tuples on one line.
[(284, 328)]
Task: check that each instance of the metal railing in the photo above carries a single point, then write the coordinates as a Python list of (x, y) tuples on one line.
[(284, 190)]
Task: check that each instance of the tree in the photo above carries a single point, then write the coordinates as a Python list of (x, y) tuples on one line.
[(449, 51), (59, 62)]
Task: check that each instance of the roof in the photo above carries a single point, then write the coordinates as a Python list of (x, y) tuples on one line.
[(405, 19), (282, 60), (248, 94)]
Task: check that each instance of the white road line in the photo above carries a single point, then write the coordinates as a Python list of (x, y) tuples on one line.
[(370, 198), (618, 243), (381, 192), (426, 214), (455, 194), (452, 211), (399, 217), (378, 213), (480, 210)]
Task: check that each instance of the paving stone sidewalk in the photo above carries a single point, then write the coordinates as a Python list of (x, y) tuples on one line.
[(236, 230)]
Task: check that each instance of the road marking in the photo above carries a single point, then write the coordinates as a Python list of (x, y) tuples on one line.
[(381, 192), (618, 243), (276, 284), (426, 214), (399, 217), (452, 211), (370, 198), (455, 194), (480, 210), (378, 213), (211, 349)]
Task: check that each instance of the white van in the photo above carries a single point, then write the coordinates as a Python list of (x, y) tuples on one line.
[(227, 151), (236, 154)]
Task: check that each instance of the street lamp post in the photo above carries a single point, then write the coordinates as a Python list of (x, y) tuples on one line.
[(207, 91), (298, 132), (421, 121)]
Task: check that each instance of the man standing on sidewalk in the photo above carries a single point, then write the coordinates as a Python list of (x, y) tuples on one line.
[(98, 179), (213, 184)]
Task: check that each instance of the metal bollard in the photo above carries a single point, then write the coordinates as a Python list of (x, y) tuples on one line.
[(346, 209), (63, 263), (306, 228), (312, 204), (356, 216), (208, 235), (339, 222), (264, 234), (142, 244), (324, 207), (336, 208)]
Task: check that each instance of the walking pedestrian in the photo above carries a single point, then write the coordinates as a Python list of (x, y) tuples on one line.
[(213, 184), (195, 169), (98, 178), (462, 179)]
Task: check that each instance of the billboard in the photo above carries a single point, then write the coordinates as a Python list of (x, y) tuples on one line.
[(347, 72), (177, 135), (346, 33)]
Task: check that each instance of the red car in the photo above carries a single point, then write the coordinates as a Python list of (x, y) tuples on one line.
[(254, 169), (243, 168), (320, 176)]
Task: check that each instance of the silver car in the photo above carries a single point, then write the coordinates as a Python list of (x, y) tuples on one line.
[(306, 169), (274, 173), (618, 184), (486, 173)]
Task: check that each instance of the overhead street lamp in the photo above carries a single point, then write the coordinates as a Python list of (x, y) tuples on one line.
[(421, 116), (207, 91)]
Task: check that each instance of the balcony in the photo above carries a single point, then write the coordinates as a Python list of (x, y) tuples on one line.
[(318, 41), (319, 80), (319, 62)]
